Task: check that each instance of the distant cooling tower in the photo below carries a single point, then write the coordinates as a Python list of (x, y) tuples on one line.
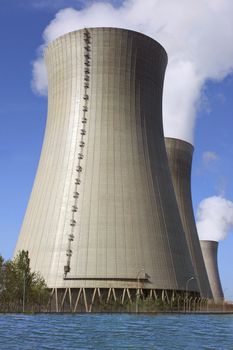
[(180, 162), (210, 253), (103, 213)]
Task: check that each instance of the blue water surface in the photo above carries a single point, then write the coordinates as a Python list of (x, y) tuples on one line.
[(116, 331)]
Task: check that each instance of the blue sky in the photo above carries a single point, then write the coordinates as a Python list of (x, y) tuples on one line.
[(23, 117), (214, 132)]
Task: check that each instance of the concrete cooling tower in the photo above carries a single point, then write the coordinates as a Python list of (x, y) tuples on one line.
[(102, 216), (210, 254), (180, 154)]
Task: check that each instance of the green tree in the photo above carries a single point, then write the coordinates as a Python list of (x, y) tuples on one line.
[(8, 297), (2, 273), (21, 289)]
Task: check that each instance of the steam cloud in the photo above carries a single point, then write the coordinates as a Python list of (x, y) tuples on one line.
[(196, 34), (209, 157), (214, 218)]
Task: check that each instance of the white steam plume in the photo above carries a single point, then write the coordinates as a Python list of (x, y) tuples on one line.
[(197, 35), (209, 157), (214, 218)]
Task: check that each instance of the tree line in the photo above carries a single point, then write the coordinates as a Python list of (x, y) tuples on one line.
[(21, 290)]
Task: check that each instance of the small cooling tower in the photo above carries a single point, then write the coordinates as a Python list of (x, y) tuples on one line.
[(210, 253)]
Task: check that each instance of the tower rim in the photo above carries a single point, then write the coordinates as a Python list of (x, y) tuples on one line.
[(177, 139), (209, 240), (107, 28)]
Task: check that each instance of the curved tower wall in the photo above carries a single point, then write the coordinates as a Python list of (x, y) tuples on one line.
[(103, 206), (210, 254), (180, 162)]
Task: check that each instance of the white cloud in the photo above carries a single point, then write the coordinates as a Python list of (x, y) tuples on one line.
[(39, 82), (196, 34), (214, 218), (208, 157)]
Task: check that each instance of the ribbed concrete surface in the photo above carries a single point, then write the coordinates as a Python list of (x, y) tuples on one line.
[(210, 254), (180, 154), (127, 217)]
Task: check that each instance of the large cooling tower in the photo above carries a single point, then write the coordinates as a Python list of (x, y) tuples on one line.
[(180, 154), (210, 254), (102, 212)]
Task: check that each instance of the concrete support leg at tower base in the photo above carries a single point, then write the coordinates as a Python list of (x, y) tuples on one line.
[(79, 300)]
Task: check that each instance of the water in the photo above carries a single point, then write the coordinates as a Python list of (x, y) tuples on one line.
[(104, 331)]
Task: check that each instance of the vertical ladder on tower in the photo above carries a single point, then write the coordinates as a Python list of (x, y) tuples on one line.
[(79, 168)]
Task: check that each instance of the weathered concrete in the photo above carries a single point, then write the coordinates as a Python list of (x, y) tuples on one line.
[(210, 254), (180, 154), (103, 204)]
